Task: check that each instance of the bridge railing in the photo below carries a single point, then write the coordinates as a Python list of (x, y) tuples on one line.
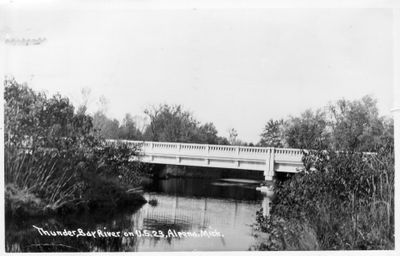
[(287, 154), (265, 159), (190, 149)]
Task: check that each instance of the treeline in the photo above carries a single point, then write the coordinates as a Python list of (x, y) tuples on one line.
[(167, 124), (342, 199), (344, 125)]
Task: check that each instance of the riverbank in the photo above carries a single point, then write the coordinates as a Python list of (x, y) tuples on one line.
[(47, 184), (57, 162), (103, 195), (345, 203)]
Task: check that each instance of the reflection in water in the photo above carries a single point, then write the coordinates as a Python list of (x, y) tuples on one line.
[(183, 205), (266, 205), (243, 191)]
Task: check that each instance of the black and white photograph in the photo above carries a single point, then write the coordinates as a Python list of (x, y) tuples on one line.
[(139, 126)]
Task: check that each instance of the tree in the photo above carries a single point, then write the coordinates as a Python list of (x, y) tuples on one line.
[(208, 134), (106, 127), (232, 136), (82, 108), (307, 131), (222, 141), (170, 124), (53, 152), (33, 120), (273, 134), (103, 104), (356, 125), (128, 129), (22, 113), (174, 124), (344, 125), (387, 136)]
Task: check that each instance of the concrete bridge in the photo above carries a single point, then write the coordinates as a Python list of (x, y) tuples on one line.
[(264, 159)]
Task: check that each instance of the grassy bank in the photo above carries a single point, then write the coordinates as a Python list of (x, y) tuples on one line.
[(341, 201), (57, 162), (48, 183)]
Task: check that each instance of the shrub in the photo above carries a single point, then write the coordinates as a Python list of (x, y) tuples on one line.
[(55, 154), (347, 198)]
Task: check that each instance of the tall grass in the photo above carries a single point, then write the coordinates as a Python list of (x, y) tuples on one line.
[(67, 181), (348, 201), (42, 175), (54, 156)]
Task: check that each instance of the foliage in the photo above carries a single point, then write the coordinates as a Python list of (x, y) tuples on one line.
[(276, 233), (344, 125), (273, 134), (356, 125), (112, 129), (24, 203), (207, 133), (233, 136), (107, 128), (346, 197), (32, 120), (128, 129), (167, 123), (38, 175), (174, 124), (307, 131), (55, 153)]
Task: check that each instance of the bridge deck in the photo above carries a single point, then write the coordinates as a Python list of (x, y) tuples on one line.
[(264, 159)]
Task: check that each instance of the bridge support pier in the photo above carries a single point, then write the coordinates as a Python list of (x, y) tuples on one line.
[(268, 177), (268, 189), (268, 192), (269, 165)]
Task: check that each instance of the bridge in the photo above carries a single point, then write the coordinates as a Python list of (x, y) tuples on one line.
[(264, 159)]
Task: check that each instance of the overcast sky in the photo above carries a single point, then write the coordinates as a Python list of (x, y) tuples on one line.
[(236, 68)]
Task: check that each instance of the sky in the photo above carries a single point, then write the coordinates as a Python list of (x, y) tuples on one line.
[(234, 67)]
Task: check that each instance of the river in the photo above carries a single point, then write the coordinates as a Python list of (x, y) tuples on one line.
[(191, 214)]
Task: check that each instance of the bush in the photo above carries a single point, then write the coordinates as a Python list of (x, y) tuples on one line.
[(22, 202), (347, 198), (283, 234), (55, 155)]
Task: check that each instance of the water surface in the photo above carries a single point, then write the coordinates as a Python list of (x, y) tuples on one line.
[(226, 207)]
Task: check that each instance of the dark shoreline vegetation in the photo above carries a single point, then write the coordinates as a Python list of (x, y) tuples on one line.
[(56, 158), (342, 199), (58, 164)]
